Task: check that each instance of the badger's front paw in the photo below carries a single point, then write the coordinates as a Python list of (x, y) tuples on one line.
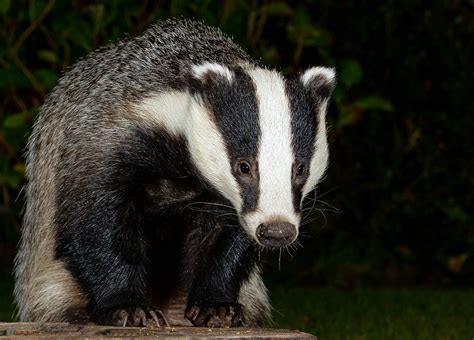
[(214, 316), (133, 317)]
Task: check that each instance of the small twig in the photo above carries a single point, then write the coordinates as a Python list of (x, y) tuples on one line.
[(34, 24), (3, 63), (251, 20), (14, 50), (260, 25), (36, 84), (5, 146), (19, 102)]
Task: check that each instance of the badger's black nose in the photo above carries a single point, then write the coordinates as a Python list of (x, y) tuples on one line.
[(276, 234)]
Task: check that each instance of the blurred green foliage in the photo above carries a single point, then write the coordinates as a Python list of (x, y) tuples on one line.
[(401, 121), (366, 314)]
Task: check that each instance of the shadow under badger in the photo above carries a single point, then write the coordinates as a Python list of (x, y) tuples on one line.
[(165, 161)]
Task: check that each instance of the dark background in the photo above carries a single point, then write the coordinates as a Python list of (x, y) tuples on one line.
[(399, 190)]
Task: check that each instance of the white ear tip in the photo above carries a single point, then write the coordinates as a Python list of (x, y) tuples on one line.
[(329, 73), (199, 71)]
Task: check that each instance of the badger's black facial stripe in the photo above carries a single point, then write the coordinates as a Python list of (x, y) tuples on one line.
[(304, 129), (233, 106)]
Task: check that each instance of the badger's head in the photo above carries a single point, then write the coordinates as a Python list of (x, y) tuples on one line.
[(260, 140)]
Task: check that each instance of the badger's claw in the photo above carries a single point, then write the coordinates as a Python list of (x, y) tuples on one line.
[(217, 316), (158, 315), (136, 317)]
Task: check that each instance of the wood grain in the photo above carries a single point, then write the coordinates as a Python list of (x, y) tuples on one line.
[(65, 330)]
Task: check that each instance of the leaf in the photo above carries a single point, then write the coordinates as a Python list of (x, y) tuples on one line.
[(351, 73), (302, 17), (14, 121), (278, 8), (13, 77), (456, 263), (35, 9), (11, 179), (4, 6), (310, 35), (317, 37), (455, 212), (48, 55), (374, 103), (47, 78), (347, 116), (20, 168)]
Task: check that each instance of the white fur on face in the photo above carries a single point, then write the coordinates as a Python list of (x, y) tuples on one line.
[(319, 162), (208, 151), (275, 155)]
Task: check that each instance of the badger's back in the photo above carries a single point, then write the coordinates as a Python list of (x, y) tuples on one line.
[(90, 107)]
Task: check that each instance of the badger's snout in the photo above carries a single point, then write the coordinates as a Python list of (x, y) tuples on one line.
[(276, 234)]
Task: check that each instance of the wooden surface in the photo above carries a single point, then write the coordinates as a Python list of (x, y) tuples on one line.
[(68, 331)]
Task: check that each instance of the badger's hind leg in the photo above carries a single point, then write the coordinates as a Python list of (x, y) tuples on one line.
[(48, 293)]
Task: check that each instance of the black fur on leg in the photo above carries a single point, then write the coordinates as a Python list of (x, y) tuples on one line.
[(104, 249), (219, 258)]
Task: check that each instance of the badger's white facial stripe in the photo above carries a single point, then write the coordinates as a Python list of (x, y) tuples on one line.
[(327, 72), (320, 81), (199, 71), (167, 109), (320, 158), (208, 151), (275, 154)]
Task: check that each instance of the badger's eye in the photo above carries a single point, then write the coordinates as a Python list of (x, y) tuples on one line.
[(300, 170), (244, 168)]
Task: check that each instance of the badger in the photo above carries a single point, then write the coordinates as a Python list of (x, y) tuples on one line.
[(165, 163)]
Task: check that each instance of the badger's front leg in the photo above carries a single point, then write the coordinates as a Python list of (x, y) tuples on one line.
[(102, 244), (223, 259)]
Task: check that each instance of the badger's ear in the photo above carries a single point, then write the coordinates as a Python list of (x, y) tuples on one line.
[(211, 74), (319, 81)]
